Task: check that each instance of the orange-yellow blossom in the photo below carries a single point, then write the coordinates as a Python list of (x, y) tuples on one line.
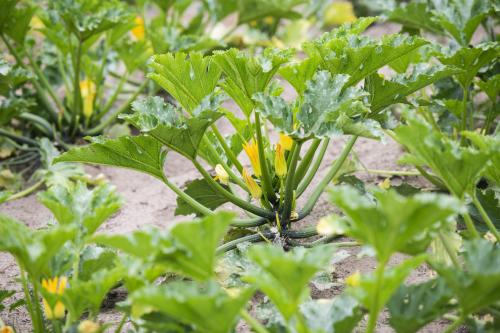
[(55, 286), (252, 185), (280, 162), (138, 31), (253, 154), (286, 142), (88, 91)]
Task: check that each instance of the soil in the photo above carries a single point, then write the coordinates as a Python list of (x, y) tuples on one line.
[(147, 201)]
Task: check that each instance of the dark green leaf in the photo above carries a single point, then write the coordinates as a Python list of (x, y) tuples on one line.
[(201, 191)]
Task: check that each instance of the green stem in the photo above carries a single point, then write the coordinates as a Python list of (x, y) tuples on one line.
[(113, 97), (231, 197), (305, 163), (392, 172), (464, 111), (41, 122), (485, 217), (76, 86), (454, 325), (26, 192), (17, 138), (470, 225), (254, 238), (36, 305), (229, 152), (449, 250), (76, 264), (290, 185), (314, 169), (328, 177), (254, 324), (188, 199), (266, 177), (121, 324), (56, 325), (98, 129), (431, 178), (375, 309), (28, 299)]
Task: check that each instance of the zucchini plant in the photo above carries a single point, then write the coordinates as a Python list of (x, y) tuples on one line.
[(330, 104)]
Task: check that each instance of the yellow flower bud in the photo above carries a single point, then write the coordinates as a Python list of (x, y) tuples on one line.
[(88, 326), (280, 162), (254, 188), (6, 329), (138, 31), (55, 286), (221, 174), (386, 184), (88, 91), (353, 280), (286, 142), (252, 152)]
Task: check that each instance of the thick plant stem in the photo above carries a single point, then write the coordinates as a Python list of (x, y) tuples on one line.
[(266, 177), (17, 138), (253, 323), (76, 87), (449, 250), (392, 172), (188, 199), (112, 99), (328, 177), (25, 192), (231, 197), (227, 149), (36, 305), (29, 303), (470, 225), (312, 170), (306, 162), (254, 238), (290, 185), (464, 111), (375, 310), (485, 217)]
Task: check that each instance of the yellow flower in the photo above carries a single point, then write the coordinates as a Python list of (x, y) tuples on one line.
[(6, 329), (87, 89), (138, 31), (88, 326), (36, 23), (354, 279), (55, 286), (221, 174), (268, 20), (254, 188), (253, 154), (286, 142), (280, 162), (339, 12), (386, 184)]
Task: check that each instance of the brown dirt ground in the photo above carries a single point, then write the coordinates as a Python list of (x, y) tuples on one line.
[(148, 202)]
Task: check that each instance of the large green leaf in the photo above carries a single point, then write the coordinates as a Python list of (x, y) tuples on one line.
[(360, 56), (246, 75), (15, 20), (374, 294), (491, 87), (80, 206), (471, 60), (329, 108), (337, 315), (460, 18), (391, 222), (386, 92), (201, 191), (284, 276), (413, 306), (250, 10), (297, 74), (187, 77), (490, 144), (415, 15), (11, 77), (458, 167), (33, 249), (142, 153), (478, 284), (167, 124), (206, 308), (188, 248)]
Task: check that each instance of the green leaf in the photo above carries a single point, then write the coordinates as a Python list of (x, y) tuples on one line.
[(15, 20), (207, 308), (458, 167), (471, 60), (246, 75), (460, 18), (387, 92), (142, 153), (337, 315), (250, 10), (81, 206), (478, 284), (488, 144), (345, 30), (95, 258), (4, 294), (375, 295), (360, 56), (187, 77), (33, 249), (297, 74), (284, 276), (11, 77), (167, 125), (491, 87), (391, 222), (201, 191), (415, 15), (413, 306)]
